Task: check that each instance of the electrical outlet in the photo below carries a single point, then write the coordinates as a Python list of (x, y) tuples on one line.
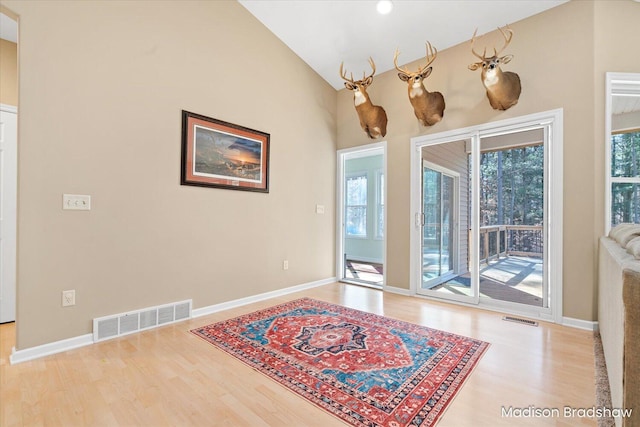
[(68, 298), (285, 264), (76, 202)]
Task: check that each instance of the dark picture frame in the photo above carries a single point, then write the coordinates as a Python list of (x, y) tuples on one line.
[(223, 155)]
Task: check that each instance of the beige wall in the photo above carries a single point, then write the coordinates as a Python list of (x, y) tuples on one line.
[(102, 86), (561, 56), (8, 73), (615, 46)]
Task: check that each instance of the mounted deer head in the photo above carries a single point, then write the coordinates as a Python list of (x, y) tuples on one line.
[(427, 106), (503, 87), (373, 118)]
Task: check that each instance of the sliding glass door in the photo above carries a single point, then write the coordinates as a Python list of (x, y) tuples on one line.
[(444, 221), (438, 199), (488, 216)]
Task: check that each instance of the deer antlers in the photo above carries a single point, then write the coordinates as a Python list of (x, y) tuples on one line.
[(432, 52), (343, 74), (507, 39)]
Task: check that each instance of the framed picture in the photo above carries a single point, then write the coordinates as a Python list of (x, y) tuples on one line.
[(223, 155)]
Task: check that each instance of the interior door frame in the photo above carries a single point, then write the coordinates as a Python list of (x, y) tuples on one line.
[(552, 122), (341, 157)]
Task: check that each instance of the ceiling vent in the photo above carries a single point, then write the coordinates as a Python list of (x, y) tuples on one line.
[(117, 325)]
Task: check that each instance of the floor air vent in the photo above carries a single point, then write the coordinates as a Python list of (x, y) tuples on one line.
[(127, 323), (519, 320)]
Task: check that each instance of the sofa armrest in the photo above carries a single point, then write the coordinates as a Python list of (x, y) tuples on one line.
[(631, 299)]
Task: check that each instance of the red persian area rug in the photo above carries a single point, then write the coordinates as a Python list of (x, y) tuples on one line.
[(365, 369)]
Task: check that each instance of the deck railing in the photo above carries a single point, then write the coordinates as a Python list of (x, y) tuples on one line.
[(505, 240)]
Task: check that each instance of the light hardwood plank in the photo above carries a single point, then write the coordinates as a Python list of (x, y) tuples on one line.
[(169, 377)]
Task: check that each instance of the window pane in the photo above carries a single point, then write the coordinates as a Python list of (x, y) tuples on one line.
[(356, 218), (356, 206), (625, 155), (625, 203), (431, 199), (357, 190), (512, 186)]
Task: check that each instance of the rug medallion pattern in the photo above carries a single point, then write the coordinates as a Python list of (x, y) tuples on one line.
[(366, 369)]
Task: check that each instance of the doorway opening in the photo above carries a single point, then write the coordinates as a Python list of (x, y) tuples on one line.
[(361, 214), (8, 163), (511, 239)]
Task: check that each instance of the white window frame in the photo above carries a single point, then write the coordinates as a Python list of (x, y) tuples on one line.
[(622, 84)]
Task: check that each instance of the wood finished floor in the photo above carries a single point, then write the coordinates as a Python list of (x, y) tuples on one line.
[(169, 377)]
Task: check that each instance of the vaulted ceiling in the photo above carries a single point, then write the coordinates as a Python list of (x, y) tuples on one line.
[(326, 33)]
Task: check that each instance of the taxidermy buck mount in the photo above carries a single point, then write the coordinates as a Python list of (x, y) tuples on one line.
[(428, 106), (373, 118), (503, 87)]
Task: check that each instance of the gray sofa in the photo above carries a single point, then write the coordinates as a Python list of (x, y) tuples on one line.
[(619, 317)]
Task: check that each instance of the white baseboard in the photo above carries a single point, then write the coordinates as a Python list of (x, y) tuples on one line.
[(395, 290), (9, 108), (18, 356), (587, 325), (566, 321), (198, 312)]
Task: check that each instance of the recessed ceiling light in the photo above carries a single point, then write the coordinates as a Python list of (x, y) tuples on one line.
[(384, 6)]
